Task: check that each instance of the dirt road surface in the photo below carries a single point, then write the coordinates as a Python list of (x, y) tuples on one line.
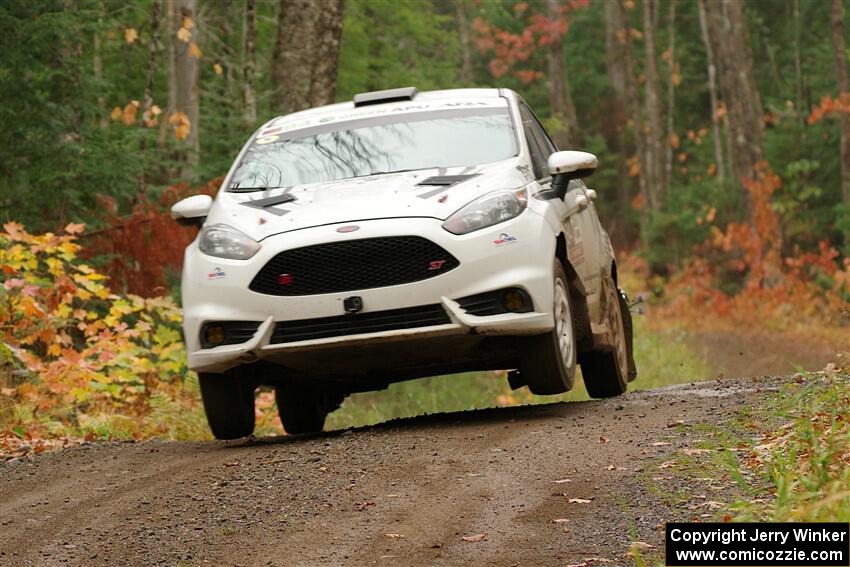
[(400, 493)]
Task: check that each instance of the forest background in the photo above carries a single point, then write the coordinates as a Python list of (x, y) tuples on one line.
[(722, 127)]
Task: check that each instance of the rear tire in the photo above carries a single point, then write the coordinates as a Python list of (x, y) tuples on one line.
[(303, 408), (548, 362), (606, 372), (229, 402)]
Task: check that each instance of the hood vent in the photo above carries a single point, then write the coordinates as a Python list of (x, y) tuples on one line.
[(446, 180)]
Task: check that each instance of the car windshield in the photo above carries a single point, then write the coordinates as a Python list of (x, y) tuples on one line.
[(377, 145)]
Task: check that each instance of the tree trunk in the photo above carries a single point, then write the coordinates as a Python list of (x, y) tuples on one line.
[(249, 97), (716, 129), (325, 56), (652, 100), (561, 106), (843, 88), (171, 31), (621, 65), (292, 63), (466, 72), (798, 70), (186, 87), (147, 97), (616, 116), (730, 39), (671, 96)]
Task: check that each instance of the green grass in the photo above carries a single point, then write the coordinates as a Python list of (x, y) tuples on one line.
[(662, 358), (785, 459)]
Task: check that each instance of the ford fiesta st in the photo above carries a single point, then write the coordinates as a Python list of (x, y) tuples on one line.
[(400, 235)]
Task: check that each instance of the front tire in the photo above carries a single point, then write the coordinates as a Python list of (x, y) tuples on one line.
[(229, 402), (606, 373), (548, 362)]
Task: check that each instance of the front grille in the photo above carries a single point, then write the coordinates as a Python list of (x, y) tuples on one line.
[(359, 323), (352, 265), (235, 332)]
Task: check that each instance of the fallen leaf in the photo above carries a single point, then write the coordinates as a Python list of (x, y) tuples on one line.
[(602, 439), (560, 520), (476, 537), (579, 501), (676, 422), (394, 536), (232, 464), (562, 480), (667, 464), (363, 505), (642, 545), (661, 444)]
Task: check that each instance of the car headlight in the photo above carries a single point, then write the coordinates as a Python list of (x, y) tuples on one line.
[(488, 210), (224, 241)]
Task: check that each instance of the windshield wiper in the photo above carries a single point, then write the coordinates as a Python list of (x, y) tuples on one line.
[(235, 188), (393, 171)]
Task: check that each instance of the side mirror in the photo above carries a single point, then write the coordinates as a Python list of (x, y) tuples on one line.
[(567, 165), (192, 211)]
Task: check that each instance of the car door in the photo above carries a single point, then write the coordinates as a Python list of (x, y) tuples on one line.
[(574, 211)]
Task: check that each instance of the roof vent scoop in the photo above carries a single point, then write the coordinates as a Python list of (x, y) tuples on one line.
[(380, 97)]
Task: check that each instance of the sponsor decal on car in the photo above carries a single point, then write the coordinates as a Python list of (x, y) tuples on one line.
[(216, 274), (504, 238)]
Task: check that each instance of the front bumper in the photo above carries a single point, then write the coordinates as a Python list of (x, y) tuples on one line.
[(216, 289)]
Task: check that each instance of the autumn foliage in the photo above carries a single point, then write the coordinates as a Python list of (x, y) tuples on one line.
[(142, 252), (743, 276), (71, 348)]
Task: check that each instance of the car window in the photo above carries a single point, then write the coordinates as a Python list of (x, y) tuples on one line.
[(539, 131), (538, 153), (396, 143)]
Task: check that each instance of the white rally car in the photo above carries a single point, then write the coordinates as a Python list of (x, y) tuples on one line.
[(400, 235)]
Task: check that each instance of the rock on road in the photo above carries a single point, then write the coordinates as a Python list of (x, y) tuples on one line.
[(402, 493)]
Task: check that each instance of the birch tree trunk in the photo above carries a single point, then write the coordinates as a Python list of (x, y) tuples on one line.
[(249, 97), (716, 128), (843, 87), (730, 39), (560, 99), (652, 100), (671, 95)]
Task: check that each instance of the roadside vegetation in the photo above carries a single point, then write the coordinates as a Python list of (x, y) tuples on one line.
[(729, 203)]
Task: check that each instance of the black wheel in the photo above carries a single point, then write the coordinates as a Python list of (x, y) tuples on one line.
[(303, 408), (548, 362), (606, 371), (628, 329), (229, 402)]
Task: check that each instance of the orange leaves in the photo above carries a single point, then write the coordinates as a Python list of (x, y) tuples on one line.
[(127, 115), (509, 49), (218, 69), (68, 327), (181, 124), (184, 35), (830, 106), (195, 51), (150, 117), (131, 35)]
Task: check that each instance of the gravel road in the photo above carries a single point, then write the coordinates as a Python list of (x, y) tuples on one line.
[(402, 493)]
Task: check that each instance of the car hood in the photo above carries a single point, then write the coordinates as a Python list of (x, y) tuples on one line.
[(435, 193)]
